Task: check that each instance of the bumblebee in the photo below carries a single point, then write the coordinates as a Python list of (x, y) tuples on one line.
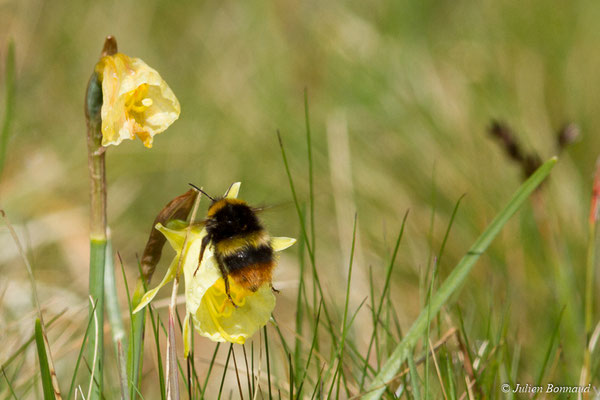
[(242, 247)]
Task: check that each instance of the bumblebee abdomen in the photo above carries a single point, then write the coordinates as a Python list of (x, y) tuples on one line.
[(246, 256), (250, 266)]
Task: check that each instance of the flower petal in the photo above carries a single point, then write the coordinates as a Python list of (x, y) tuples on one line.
[(199, 279), (282, 243), (232, 192), (137, 102), (236, 324), (150, 294), (186, 335), (176, 237)]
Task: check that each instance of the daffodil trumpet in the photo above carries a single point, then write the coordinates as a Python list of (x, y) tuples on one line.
[(137, 102)]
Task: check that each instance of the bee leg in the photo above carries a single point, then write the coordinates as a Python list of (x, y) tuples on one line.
[(205, 241), (227, 291), (274, 290), (226, 279)]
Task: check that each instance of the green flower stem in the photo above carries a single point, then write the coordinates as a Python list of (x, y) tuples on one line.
[(97, 171), (113, 310)]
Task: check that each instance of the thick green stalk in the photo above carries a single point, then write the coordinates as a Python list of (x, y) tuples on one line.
[(97, 171), (113, 310)]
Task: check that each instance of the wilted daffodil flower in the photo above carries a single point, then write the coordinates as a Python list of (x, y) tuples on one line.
[(212, 313), (136, 101)]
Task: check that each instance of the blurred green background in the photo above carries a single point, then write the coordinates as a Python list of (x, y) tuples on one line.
[(401, 95)]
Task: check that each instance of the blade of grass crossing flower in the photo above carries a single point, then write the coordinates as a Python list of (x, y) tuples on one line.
[(43, 361), (455, 281), (9, 102)]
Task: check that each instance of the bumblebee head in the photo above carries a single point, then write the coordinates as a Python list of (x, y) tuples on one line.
[(231, 217)]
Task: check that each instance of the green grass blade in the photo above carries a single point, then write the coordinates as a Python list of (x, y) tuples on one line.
[(225, 370), (346, 304), (136, 342), (85, 335), (24, 346), (43, 359), (268, 361), (310, 172), (388, 275), (455, 281), (210, 367), (9, 102), (10, 388), (159, 362), (299, 312), (414, 378), (549, 350)]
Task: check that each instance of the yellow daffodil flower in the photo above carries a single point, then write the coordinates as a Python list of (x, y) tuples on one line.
[(136, 101), (207, 304)]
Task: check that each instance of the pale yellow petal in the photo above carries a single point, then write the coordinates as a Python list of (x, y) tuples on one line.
[(282, 243), (232, 192), (238, 324), (176, 237), (137, 102), (150, 294), (199, 279), (186, 335)]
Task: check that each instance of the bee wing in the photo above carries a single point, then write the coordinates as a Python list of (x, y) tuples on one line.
[(261, 208)]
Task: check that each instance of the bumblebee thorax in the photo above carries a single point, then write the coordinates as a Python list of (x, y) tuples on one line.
[(228, 218)]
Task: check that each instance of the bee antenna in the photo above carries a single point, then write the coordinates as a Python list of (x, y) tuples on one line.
[(201, 191)]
